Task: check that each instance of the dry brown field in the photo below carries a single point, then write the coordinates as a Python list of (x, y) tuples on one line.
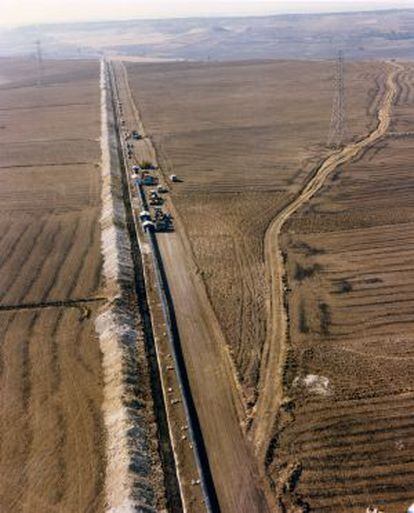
[(350, 261), (51, 433), (243, 137)]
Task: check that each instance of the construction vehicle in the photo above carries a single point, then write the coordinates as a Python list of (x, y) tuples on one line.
[(155, 199), (158, 213), (148, 180), (163, 221)]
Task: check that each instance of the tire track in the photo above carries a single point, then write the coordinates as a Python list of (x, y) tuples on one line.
[(93, 238), (65, 255), (19, 239), (276, 344)]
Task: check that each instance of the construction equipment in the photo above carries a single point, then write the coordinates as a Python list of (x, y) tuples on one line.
[(163, 221), (155, 199), (148, 180)]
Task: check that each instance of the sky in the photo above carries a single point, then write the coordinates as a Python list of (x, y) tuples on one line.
[(24, 12)]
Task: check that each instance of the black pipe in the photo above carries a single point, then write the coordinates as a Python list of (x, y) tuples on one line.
[(200, 453), (173, 499)]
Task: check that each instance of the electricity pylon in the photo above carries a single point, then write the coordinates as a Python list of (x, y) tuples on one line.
[(338, 130), (39, 58)]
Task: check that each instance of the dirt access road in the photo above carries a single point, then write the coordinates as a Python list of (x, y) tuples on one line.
[(235, 473), (232, 462), (271, 375)]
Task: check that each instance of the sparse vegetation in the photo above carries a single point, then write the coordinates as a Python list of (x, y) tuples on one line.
[(226, 216), (361, 223), (303, 324), (228, 226), (325, 318), (344, 286), (301, 273), (146, 164)]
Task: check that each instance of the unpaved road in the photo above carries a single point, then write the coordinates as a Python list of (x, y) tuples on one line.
[(235, 473), (270, 384), (232, 463)]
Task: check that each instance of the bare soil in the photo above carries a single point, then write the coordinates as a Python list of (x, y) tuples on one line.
[(52, 436), (243, 137), (238, 482), (51, 427), (349, 255), (342, 437)]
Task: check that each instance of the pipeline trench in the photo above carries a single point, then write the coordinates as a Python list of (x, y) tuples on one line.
[(173, 487)]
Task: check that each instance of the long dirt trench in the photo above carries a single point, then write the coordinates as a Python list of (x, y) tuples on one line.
[(238, 483), (275, 348)]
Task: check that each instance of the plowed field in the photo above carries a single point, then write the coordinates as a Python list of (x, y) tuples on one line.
[(243, 137), (51, 429), (350, 260)]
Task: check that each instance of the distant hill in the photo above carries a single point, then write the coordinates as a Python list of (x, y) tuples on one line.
[(364, 35)]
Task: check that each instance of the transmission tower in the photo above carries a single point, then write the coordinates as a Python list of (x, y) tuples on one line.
[(338, 130), (39, 58)]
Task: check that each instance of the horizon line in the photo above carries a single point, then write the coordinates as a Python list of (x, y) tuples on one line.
[(204, 16)]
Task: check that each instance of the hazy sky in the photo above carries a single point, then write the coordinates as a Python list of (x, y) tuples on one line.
[(21, 12)]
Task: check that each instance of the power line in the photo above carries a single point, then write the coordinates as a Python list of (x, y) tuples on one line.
[(338, 129), (39, 58)]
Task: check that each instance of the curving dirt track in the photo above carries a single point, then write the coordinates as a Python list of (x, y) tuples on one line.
[(274, 353)]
